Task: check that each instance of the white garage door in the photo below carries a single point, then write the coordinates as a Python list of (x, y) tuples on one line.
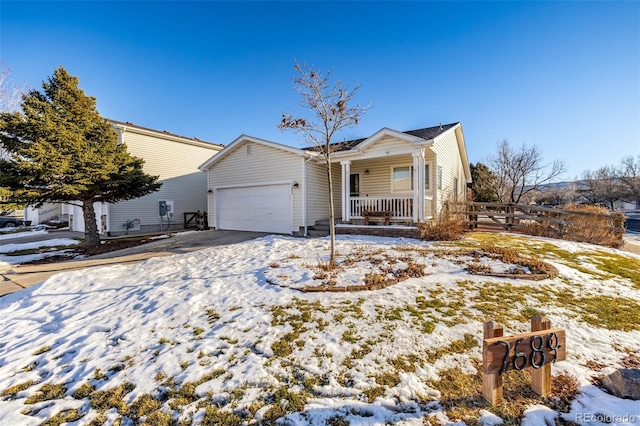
[(265, 208)]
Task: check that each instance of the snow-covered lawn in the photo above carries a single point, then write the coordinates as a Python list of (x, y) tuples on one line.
[(53, 245), (223, 335)]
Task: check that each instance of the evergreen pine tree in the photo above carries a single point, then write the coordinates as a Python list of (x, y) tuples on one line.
[(62, 150)]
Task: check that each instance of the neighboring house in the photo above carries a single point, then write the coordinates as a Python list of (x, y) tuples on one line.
[(258, 185), (47, 212), (172, 157)]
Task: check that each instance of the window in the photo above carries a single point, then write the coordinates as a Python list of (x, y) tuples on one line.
[(354, 185), (455, 189), (427, 177), (439, 177), (401, 178)]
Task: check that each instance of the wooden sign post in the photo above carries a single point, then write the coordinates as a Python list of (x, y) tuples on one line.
[(537, 349)]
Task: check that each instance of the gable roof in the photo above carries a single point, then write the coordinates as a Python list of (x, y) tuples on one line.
[(164, 134), (426, 134), (246, 138)]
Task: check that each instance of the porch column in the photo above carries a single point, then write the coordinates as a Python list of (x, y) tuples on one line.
[(346, 202), (418, 186)]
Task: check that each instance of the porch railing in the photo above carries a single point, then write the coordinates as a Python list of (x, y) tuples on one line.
[(401, 207)]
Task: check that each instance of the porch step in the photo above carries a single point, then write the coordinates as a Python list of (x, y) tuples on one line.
[(317, 232), (320, 229), (323, 222)]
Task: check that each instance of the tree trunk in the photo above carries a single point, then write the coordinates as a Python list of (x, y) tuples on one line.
[(91, 236), (332, 225)]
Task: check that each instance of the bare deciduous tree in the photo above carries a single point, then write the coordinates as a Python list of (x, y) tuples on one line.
[(332, 112), (521, 171), (628, 175), (10, 97), (602, 186), (10, 93)]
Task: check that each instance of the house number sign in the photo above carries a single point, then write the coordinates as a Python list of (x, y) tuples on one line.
[(537, 350)]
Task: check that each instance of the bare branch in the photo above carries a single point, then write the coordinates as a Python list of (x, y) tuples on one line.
[(331, 112), (521, 171), (10, 94)]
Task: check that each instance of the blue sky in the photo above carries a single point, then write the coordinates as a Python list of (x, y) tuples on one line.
[(562, 75)]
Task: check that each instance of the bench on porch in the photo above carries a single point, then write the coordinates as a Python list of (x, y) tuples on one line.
[(370, 214)]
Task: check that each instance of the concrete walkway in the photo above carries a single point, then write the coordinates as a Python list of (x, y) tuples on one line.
[(631, 246), (22, 276)]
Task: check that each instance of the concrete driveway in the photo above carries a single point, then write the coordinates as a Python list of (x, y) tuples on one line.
[(22, 276)]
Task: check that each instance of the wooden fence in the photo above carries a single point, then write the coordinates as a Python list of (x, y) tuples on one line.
[(520, 217)]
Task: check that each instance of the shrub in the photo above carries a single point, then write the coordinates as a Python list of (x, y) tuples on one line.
[(601, 227), (448, 226)]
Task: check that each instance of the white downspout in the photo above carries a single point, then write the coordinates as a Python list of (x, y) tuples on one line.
[(304, 195)]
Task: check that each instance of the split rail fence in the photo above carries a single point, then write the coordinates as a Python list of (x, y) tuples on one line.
[(520, 217)]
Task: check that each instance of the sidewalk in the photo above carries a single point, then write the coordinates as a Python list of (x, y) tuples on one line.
[(22, 276), (631, 246)]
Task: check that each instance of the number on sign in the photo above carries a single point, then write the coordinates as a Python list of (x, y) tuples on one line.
[(537, 357)]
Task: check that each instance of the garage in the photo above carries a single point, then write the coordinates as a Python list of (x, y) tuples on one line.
[(260, 208)]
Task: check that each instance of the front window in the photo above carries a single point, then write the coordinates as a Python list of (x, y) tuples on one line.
[(402, 178)]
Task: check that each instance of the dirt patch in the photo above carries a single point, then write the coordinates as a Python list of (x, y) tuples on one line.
[(107, 246)]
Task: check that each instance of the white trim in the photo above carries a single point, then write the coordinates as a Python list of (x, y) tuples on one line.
[(344, 177), (132, 128), (245, 138), (430, 164), (418, 187), (355, 155), (385, 131), (304, 195), (244, 185)]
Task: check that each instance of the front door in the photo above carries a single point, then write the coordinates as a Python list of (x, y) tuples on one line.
[(354, 184)]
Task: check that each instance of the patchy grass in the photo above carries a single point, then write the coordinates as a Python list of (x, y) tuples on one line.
[(462, 395), (103, 400), (39, 250), (42, 350), (456, 347), (15, 389), (65, 416), (47, 392), (367, 358), (617, 265), (83, 391), (612, 313)]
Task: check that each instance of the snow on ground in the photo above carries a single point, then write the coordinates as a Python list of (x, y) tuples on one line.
[(215, 318), (5, 249), (54, 242), (6, 235)]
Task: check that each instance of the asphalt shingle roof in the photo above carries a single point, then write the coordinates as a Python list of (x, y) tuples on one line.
[(425, 133)]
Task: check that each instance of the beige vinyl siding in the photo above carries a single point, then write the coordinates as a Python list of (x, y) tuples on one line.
[(378, 181), (387, 146), (336, 177), (448, 156), (177, 165), (264, 164), (318, 192)]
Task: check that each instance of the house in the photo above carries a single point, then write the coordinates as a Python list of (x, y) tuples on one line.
[(259, 185), (172, 157)]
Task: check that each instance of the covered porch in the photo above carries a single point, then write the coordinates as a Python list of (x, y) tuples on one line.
[(400, 183)]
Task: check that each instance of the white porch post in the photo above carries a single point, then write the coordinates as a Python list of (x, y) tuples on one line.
[(346, 202), (422, 192), (418, 186)]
